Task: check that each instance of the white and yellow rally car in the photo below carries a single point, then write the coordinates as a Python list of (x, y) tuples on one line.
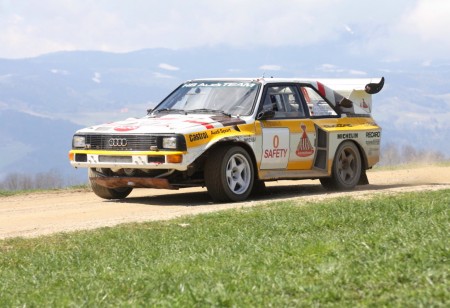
[(231, 135)]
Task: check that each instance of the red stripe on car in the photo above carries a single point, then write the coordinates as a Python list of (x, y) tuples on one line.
[(321, 89)]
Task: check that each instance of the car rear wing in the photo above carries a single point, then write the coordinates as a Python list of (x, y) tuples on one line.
[(357, 90)]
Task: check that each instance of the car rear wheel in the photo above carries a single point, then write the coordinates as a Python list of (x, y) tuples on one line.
[(229, 174), (104, 192), (346, 170)]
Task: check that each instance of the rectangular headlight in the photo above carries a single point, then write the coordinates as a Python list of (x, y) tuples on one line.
[(79, 141), (169, 143)]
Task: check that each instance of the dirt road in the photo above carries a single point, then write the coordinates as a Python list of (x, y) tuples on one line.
[(60, 211)]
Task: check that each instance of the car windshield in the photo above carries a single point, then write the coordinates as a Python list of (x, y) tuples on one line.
[(225, 97)]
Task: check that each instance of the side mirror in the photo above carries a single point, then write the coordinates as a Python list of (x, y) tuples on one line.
[(265, 114)]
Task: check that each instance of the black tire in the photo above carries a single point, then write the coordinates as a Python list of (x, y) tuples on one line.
[(346, 170), (328, 184), (229, 174), (259, 188), (107, 193)]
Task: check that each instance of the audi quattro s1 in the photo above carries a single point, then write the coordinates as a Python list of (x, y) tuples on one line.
[(232, 135)]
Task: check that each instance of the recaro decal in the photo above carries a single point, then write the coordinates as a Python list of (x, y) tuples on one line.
[(374, 138), (373, 134)]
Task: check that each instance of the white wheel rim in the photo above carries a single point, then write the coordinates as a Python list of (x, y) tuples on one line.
[(347, 165), (238, 174)]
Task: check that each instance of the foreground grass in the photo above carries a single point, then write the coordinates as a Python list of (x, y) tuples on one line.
[(390, 251)]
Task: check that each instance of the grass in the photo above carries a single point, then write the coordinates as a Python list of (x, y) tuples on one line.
[(387, 251)]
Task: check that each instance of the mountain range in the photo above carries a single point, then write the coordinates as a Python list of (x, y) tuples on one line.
[(44, 100)]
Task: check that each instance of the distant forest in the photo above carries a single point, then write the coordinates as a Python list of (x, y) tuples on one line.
[(391, 155)]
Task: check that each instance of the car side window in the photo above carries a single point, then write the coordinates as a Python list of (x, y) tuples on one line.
[(285, 101), (316, 104)]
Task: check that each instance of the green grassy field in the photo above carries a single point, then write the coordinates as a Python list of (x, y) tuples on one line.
[(388, 251)]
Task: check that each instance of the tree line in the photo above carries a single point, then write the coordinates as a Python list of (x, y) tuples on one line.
[(391, 155), (51, 179)]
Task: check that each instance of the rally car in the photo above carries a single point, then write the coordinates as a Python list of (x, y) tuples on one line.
[(232, 135)]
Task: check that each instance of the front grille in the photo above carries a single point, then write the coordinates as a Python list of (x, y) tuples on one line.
[(121, 142)]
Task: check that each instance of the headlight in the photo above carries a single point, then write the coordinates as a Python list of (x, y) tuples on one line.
[(79, 141), (169, 143)]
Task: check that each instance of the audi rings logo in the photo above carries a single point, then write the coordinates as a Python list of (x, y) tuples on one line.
[(118, 142)]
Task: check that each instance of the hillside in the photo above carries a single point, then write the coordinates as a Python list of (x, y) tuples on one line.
[(60, 92), (33, 144)]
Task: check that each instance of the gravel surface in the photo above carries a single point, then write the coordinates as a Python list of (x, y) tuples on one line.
[(37, 214)]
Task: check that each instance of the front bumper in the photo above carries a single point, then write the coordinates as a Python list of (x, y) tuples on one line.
[(128, 159)]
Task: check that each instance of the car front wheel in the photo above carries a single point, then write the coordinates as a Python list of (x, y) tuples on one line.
[(229, 174), (104, 192)]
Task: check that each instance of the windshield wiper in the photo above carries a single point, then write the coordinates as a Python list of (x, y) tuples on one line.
[(170, 110), (206, 110)]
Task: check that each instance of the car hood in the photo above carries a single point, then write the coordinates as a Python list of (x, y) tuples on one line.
[(171, 123)]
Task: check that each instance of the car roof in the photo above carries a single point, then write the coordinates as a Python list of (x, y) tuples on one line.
[(259, 80)]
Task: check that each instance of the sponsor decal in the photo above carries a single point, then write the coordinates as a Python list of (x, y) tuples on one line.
[(363, 104), (373, 134), (221, 131), (198, 136), (373, 142), (219, 84), (347, 136), (275, 152), (304, 148), (337, 125), (125, 128)]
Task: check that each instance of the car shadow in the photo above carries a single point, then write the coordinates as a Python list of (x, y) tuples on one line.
[(271, 193)]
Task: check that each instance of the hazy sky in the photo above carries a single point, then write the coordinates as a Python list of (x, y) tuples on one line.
[(400, 29)]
